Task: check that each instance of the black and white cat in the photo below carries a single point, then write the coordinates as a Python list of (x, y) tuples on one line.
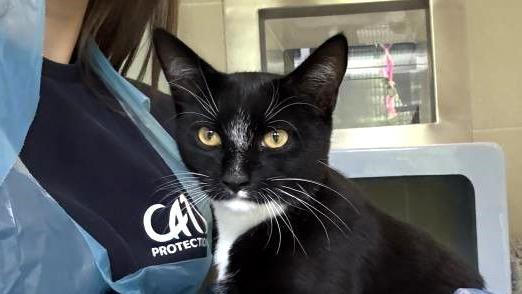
[(286, 222)]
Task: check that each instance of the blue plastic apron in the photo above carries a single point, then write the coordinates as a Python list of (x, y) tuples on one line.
[(42, 250)]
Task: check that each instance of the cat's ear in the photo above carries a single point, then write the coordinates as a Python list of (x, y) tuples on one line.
[(184, 69), (321, 74)]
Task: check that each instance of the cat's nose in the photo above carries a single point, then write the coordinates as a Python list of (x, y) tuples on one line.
[(235, 181)]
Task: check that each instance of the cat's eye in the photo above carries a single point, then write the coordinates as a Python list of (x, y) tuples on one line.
[(209, 137), (275, 139)]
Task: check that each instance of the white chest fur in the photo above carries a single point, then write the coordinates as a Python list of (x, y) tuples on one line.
[(233, 219)]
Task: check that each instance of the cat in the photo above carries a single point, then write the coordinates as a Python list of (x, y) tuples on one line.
[(285, 221)]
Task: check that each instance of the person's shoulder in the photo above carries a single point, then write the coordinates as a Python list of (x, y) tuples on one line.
[(161, 104)]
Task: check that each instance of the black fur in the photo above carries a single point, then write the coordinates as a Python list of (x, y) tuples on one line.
[(345, 244)]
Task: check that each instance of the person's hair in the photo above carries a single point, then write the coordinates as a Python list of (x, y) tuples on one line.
[(117, 26)]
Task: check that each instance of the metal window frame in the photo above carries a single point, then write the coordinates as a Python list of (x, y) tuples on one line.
[(447, 23)]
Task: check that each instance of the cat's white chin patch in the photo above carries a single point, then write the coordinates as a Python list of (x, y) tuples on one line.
[(238, 205), (234, 217), (242, 194)]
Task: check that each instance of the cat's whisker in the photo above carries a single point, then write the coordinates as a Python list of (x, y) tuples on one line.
[(197, 197), (270, 205), (207, 99), (189, 188), (171, 201), (305, 193), (170, 185), (201, 121), (175, 181), (198, 98), (171, 188), (182, 173), (290, 229), (270, 217), (279, 104), (200, 199), (173, 191), (183, 210), (323, 163), (195, 202), (290, 105), (181, 180), (286, 221), (218, 195), (194, 196), (341, 221), (275, 92), (187, 173), (271, 224), (194, 188), (208, 89), (308, 206), (326, 165), (289, 225), (284, 121), (193, 113), (204, 104), (321, 185), (282, 199)]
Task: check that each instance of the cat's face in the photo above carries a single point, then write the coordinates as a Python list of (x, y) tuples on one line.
[(254, 137)]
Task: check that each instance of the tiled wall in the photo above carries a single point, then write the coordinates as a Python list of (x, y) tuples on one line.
[(495, 57), (201, 27)]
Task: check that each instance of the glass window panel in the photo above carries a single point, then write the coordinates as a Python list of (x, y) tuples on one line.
[(385, 41)]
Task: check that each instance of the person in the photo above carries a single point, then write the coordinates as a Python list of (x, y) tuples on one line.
[(93, 195)]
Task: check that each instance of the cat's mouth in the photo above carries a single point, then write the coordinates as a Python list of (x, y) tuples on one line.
[(229, 195), (242, 194), (248, 197), (237, 204), (241, 201)]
